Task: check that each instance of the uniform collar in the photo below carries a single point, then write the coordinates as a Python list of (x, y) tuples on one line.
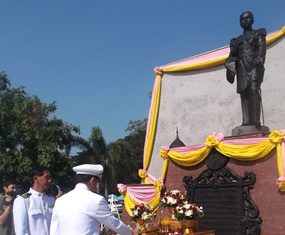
[(81, 187), (34, 192)]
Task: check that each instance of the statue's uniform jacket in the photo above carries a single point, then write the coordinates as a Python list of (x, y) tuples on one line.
[(81, 212), (247, 48), (32, 213)]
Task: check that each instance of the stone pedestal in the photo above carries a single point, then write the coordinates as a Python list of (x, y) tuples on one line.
[(251, 129)]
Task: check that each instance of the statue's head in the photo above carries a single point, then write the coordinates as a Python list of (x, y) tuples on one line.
[(246, 20)]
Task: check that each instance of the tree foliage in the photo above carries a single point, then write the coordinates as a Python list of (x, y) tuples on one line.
[(93, 150), (121, 159), (30, 136), (136, 139), (126, 155)]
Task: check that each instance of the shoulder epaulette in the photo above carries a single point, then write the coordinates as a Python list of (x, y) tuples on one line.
[(236, 40), (26, 195), (261, 31)]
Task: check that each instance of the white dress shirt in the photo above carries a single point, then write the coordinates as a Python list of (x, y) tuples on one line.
[(32, 213), (81, 212)]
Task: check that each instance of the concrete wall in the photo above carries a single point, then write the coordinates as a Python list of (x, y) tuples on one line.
[(201, 102)]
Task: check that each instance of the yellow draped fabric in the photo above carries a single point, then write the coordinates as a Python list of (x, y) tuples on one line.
[(152, 121), (130, 202), (190, 159), (242, 152)]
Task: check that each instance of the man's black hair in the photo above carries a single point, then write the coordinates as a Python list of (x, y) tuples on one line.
[(53, 190), (81, 178), (39, 171), (8, 182)]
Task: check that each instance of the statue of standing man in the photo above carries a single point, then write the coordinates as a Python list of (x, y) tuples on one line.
[(246, 62)]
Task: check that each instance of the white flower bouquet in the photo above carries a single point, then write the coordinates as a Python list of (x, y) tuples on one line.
[(141, 212)]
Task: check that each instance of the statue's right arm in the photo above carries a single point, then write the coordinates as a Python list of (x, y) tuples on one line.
[(231, 60)]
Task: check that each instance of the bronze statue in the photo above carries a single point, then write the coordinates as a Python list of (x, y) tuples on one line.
[(246, 61)]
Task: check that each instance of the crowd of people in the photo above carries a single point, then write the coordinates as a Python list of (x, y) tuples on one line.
[(44, 210)]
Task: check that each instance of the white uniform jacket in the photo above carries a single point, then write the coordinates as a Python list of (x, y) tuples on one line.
[(32, 213), (80, 212)]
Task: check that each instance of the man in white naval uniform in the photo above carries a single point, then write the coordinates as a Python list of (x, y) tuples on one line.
[(32, 210), (81, 211)]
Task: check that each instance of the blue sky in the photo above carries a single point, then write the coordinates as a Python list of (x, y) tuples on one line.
[(95, 58)]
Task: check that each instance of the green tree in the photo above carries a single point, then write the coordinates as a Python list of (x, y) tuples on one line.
[(121, 159), (137, 128), (126, 156), (122, 167), (30, 136), (136, 139)]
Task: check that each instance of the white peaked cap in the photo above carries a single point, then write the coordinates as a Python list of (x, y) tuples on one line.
[(89, 169)]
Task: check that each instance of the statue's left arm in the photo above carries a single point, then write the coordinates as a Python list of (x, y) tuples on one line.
[(261, 46)]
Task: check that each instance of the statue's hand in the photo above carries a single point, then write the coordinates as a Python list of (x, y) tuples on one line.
[(259, 60), (230, 76)]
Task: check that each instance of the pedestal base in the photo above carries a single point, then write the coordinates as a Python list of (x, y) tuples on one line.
[(251, 129)]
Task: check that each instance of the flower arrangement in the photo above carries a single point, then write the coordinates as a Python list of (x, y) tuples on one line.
[(141, 212), (172, 198), (187, 211)]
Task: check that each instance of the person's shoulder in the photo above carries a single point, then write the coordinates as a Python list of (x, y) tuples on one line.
[(25, 195), (95, 197), (101, 197), (240, 37), (66, 197), (236, 40), (261, 32)]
